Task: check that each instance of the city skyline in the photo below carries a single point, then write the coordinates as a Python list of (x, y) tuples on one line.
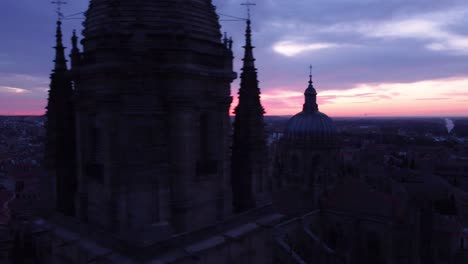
[(201, 131), (370, 59)]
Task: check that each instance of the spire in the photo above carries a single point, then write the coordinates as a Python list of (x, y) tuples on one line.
[(310, 104), (249, 61), (230, 43), (226, 40), (249, 93), (60, 131), (75, 52), (310, 77), (74, 40), (60, 61), (248, 161)]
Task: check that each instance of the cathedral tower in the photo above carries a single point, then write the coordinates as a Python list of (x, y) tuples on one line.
[(60, 154), (153, 98), (249, 155)]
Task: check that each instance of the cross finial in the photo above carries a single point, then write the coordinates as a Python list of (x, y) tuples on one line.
[(248, 5), (59, 4), (310, 76)]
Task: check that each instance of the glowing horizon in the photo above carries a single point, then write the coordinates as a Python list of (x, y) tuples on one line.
[(444, 97)]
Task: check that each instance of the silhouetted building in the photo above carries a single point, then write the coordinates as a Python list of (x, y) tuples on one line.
[(152, 95), (249, 152), (145, 174), (306, 162), (60, 153), (152, 98)]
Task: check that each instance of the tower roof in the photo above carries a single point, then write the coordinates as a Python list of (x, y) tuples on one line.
[(196, 18)]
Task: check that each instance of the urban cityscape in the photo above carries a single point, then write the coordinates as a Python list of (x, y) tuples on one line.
[(145, 153)]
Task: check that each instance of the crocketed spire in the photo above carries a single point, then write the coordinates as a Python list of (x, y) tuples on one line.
[(249, 61), (249, 145), (60, 61), (75, 52), (60, 143)]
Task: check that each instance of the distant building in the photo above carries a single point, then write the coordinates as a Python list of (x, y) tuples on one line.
[(307, 158)]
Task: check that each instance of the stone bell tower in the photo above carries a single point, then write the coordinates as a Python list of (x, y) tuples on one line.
[(152, 104)]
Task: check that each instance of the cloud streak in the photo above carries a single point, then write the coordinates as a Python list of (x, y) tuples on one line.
[(290, 48), (13, 90), (433, 28)]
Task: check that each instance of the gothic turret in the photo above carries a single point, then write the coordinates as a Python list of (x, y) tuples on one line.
[(75, 55), (249, 144), (60, 61), (60, 125)]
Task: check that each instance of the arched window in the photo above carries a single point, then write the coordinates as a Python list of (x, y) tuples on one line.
[(341, 236), (95, 141), (295, 163), (295, 168), (278, 173), (332, 239), (206, 165), (314, 168), (204, 140), (94, 168), (373, 248)]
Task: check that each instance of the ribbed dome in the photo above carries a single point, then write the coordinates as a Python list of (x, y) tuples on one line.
[(314, 126), (188, 17)]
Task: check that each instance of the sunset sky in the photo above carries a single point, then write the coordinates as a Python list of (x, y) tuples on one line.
[(370, 57)]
